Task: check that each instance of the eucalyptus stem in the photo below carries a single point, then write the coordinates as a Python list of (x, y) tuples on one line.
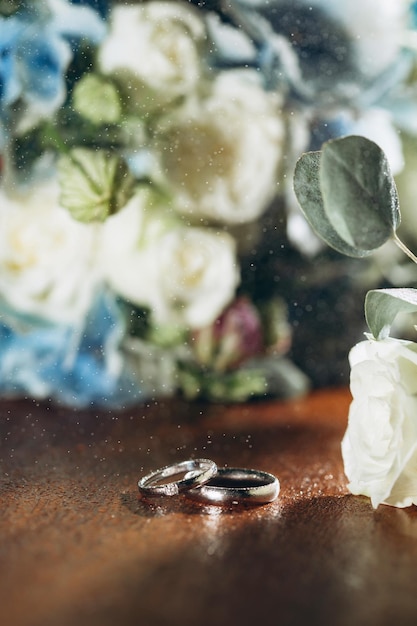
[(404, 248)]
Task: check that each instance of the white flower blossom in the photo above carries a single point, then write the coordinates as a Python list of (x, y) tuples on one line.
[(380, 444), (220, 156), (185, 275), (153, 50), (46, 258)]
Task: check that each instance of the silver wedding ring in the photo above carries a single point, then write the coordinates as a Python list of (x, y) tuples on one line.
[(202, 480), (172, 479), (235, 485)]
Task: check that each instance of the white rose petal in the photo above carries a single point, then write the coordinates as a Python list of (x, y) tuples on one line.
[(232, 43), (46, 258), (198, 274), (380, 444), (127, 241), (185, 275), (220, 156), (153, 50)]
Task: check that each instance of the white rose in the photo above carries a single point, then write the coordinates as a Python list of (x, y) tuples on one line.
[(198, 274), (380, 445), (185, 275), (46, 258), (220, 156), (153, 50)]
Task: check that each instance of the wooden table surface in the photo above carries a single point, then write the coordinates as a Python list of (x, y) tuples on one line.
[(80, 548)]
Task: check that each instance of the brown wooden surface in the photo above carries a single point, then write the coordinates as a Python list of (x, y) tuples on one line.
[(79, 547)]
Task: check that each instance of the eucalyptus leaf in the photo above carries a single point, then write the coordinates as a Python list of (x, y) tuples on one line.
[(93, 184), (308, 192), (383, 305), (359, 193)]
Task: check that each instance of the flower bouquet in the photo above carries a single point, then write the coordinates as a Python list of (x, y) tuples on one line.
[(151, 242)]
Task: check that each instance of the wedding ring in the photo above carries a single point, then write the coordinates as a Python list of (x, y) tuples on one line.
[(237, 485), (181, 476)]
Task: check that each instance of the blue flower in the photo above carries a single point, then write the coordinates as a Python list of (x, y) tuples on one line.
[(413, 13), (324, 129), (101, 6), (35, 50), (76, 367)]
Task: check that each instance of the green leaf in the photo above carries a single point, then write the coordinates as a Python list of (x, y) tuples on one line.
[(93, 184), (359, 193), (308, 192), (96, 98), (236, 386), (383, 305)]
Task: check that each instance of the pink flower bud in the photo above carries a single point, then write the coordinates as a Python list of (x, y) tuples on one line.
[(235, 336)]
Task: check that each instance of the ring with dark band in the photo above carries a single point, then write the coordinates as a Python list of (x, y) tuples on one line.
[(237, 485)]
